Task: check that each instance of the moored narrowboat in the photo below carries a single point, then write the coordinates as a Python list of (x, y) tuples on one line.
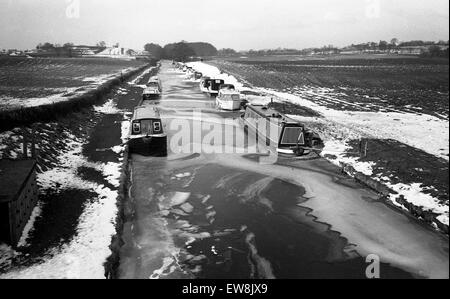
[(228, 99), (214, 86), (286, 135), (155, 82), (151, 94), (204, 84), (198, 75), (147, 136)]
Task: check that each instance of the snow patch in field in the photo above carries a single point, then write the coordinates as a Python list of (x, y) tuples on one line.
[(414, 194), (13, 103), (336, 152), (100, 79), (108, 108)]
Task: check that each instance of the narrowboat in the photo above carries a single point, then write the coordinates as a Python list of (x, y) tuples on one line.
[(228, 99), (147, 136), (214, 86), (151, 93), (286, 135), (155, 82), (198, 75), (204, 84)]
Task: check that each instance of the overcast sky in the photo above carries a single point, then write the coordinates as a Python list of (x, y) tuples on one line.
[(239, 24)]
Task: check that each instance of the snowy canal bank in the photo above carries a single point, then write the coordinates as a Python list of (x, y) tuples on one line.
[(79, 169)]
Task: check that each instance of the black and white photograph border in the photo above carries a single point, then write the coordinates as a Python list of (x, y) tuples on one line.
[(238, 141)]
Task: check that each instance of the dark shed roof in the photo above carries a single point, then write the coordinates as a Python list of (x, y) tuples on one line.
[(13, 176)]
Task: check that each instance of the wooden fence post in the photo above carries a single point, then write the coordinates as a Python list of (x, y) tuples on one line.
[(33, 143), (24, 144)]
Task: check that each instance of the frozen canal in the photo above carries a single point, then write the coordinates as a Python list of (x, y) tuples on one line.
[(203, 214)]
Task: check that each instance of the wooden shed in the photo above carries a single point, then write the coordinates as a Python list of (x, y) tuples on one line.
[(18, 197)]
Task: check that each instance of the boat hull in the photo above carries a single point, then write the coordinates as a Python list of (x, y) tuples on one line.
[(149, 146), (290, 151), (228, 104), (213, 93)]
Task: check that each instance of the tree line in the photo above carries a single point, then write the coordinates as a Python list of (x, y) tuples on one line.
[(49, 46), (435, 49), (181, 51)]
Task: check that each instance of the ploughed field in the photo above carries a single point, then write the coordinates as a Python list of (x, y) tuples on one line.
[(384, 84), (31, 81)]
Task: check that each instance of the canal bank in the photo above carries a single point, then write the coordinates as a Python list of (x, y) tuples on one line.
[(79, 174)]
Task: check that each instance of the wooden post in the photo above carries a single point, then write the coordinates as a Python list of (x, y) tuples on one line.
[(33, 143), (360, 148), (365, 149), (25, 144)]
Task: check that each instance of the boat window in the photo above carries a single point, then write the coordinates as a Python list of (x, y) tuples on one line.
[(157, 126), (292, 136), (136, 128), (235, 97), (146, 126)]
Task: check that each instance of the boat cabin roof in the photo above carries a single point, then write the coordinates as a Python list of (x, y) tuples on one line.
[(146, 112), (151, 90), (227, 86), (229, 92), (267, 112), (13, 174), (153, 80)]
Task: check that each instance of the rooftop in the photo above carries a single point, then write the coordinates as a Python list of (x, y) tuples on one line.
[(13, 175), (146, 112), (271, 113)]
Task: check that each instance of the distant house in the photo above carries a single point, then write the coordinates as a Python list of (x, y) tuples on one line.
[(143, 55), (413, 50), (81, 50), (350, 51), (116, 52)]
